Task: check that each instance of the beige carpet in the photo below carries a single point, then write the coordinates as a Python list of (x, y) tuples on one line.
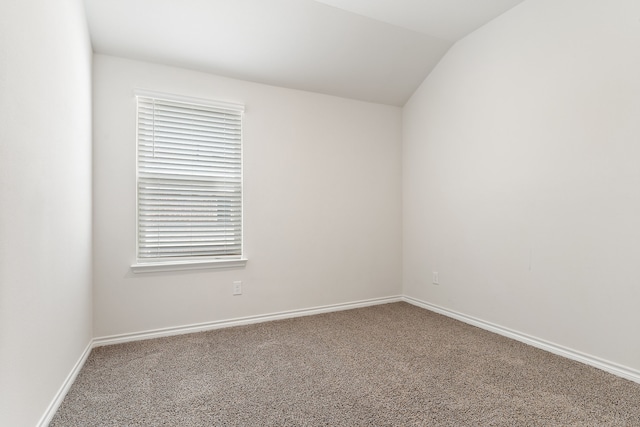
[(388, 365)]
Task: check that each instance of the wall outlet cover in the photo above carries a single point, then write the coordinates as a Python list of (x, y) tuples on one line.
[(237, 287)]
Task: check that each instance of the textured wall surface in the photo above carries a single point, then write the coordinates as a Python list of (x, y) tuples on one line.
[(322, 203), (45, 202), (521, 179)]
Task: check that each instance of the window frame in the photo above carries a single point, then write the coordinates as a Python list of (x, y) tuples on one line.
[(158, 264)]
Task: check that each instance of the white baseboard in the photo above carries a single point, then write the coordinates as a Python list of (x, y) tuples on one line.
[(187, 329), (199, 327), (596, 362), (613, 368), (66, 385)]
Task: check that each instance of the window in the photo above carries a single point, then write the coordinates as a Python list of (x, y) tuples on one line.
[(189, 184)]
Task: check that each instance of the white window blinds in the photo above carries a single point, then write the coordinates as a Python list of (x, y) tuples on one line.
[(189, 180)]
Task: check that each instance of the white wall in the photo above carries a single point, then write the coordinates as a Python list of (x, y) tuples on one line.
[(45, 202), (522, 179), (322, 193)]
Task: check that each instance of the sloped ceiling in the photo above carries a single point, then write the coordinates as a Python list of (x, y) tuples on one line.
[(371, 50)]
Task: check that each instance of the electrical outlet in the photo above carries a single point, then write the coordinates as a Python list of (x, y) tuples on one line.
[(435, 280), (237, 287)]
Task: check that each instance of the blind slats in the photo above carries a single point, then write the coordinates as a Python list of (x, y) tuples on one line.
[(189, 180)]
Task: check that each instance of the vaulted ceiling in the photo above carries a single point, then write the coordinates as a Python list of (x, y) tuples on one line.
[(371, 50)]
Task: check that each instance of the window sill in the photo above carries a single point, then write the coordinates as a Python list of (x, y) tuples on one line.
[(153, 267)]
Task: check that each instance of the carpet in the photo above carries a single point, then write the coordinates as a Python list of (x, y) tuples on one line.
[(387, 365)]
